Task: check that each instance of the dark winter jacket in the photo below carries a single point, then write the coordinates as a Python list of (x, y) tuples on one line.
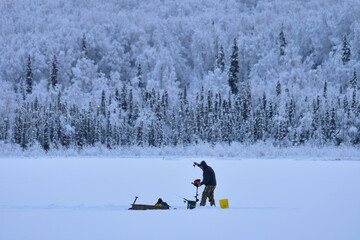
[(208, 175)]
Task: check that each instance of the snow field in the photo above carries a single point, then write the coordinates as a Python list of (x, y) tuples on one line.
[(88, 198)]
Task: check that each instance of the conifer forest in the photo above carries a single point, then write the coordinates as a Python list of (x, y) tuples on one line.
[(179, 73)]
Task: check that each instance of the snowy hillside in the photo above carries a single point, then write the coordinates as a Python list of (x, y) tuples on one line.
[(169, 73), (180, 40)]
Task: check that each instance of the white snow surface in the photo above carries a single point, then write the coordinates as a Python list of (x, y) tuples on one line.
[(87, 197)]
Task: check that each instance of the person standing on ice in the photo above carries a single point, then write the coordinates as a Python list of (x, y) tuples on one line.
[(209, 180)]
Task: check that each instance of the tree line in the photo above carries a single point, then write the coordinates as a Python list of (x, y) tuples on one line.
[(154, 121), (137, 116)]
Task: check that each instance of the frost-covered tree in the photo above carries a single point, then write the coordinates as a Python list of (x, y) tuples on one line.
[(109, 134), (46, 136), (278, 88), (117, 97), (346, 51), (282, 42), (346, 105), (141, 82), (220, 59), (332, 127), (54, 72), (354, 81), (22, 89), (131, 109), (84, 74), (103, 104), (84, 50), (139, 135), (123, 98), (29, 77), (354, 100), (325, 92), (234, 68)]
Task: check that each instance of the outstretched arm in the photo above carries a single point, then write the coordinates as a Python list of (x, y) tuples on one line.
[(197, 164)]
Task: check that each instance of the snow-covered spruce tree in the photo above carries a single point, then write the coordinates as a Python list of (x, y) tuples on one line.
[(278, 88), (315, 122), (354, 101), (24, 137), (91, 125), (17, 127), (4, 129), (117, 98), (325, 92), (354, 81), (192, 126), (234, 69), (245, 96), (212, 135), (130, 108), (226, 128), (109, 134), (116, 134), (333, 126), (265, 115), (346, 51), (151, 134), (181, 116), (22, 89), (55, 128), (354, 87), (140, 134), (46, 136), (220, 59), (325, 126), (282, 42), (122, 129), (282, 131), (141, 83), (346, 106), (103, 103), (54, 73), (270, 121), (174, 134), (29, 77), (292, 112), (79, 130), (258, 126), (199, 109), (123, 98), (263, 102), (84, 50)]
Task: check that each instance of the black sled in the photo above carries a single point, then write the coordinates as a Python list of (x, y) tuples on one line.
[(147, 207)]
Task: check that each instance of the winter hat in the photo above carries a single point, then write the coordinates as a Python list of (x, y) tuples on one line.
[(203, 164)]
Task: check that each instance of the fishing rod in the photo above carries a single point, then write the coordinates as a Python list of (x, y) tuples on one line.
[(194, 163)]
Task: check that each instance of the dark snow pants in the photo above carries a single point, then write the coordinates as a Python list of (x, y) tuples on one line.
[(208, 193)]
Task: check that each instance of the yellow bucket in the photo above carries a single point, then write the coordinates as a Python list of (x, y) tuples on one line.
[(224, 203)]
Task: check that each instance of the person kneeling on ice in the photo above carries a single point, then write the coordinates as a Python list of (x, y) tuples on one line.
[(209, 180), (160, 202)]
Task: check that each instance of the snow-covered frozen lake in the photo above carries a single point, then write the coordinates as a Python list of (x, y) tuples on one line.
[(88, 197)]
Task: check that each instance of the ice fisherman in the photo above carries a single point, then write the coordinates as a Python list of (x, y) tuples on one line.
[(209, 180)]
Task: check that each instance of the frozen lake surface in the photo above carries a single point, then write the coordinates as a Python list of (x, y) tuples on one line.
[(88, 197)]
